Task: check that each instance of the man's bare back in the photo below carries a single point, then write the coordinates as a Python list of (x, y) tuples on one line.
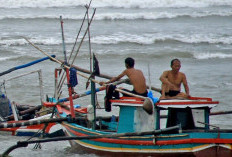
[(137, 79), (135, 76)]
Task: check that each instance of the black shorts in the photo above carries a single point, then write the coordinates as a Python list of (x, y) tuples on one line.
[(172, 93), (134, 92)]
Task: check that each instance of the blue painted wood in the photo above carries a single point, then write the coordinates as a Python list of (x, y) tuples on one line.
[(207, 110), (126, 119)]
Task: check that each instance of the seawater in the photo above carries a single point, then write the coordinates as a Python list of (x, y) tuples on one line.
[(198, 32)]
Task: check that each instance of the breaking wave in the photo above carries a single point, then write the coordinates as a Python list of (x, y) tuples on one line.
[(140, 15), (212, 55), (114, 3), (117, 38)]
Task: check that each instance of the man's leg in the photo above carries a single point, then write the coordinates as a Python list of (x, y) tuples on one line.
[(164, 89)]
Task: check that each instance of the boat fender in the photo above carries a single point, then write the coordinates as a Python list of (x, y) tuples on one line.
[(90, 113), (148, 105)]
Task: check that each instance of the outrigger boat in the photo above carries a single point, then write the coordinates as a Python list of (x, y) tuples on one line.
[(140, 128), (187, 133), (13, 115)]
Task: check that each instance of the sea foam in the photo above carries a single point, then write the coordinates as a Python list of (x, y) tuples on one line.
[(208, 55), (114, 3)]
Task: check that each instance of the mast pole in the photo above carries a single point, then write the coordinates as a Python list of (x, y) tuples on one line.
[(67, 72)]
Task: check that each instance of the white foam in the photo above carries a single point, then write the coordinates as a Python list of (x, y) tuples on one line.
[(208, 55), (114, 3), (152, 38), (7, 58), (11, 41), (123, 37), (146, 15)]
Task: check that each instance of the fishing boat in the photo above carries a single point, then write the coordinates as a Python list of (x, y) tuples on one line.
[(187, 133), (30, 130), (14, 115), (144, 126), (139, 128)]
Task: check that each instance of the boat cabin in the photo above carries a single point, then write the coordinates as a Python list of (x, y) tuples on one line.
[(190, 114)]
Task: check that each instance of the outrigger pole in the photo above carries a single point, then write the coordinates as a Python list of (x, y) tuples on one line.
[(128, 134), (25, 65)]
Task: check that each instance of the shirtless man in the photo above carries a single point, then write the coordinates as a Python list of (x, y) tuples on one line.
[(135, 76), (172, 80)]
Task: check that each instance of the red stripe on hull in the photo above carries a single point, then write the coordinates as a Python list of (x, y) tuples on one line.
[(215, 151), (163, 142)]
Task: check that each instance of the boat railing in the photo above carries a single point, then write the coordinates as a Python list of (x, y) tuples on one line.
[(12, 104), (25, 74)]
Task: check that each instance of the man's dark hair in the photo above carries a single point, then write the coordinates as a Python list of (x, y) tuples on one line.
[(130, 62), (174, 61)]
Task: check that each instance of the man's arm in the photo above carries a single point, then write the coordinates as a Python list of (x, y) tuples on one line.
[(185, 83), (117, 78), (165, 82), (114, 78), (164, 79)]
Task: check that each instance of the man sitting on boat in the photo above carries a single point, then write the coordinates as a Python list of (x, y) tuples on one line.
[(172, 80), (135, 76)]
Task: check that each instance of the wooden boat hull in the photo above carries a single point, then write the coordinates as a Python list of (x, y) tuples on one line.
[(198, 142), (213, 151), (28, 130), (173, 145)]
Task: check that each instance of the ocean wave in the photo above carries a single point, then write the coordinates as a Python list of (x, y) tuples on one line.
[(19, 41), (161, 15), (121, 37), (35, 17), (208, 55), (114, 3), (139, 15), (8, 58), (157, 38)]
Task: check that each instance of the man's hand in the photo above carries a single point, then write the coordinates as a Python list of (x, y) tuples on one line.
[(102, 83)]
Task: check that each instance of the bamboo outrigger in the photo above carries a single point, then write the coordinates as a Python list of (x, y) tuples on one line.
[(135, 131)]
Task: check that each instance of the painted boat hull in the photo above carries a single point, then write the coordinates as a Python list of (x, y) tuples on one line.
[(195, 142), (213, 151), (173, 145), (28, 130)]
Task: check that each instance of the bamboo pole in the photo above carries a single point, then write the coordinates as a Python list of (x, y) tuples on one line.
[(97, 90), (56, 60), (106, 76), (58, 86), (25, 143), (21, 113), (78, 49), (36, 122), (211, 114), (83, 70), (25, 65)]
